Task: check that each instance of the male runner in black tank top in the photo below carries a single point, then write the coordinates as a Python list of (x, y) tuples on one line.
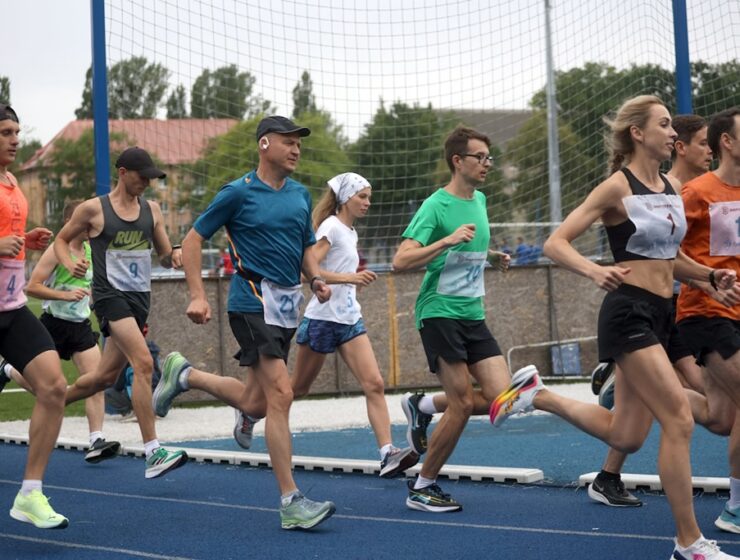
[(123, 228)]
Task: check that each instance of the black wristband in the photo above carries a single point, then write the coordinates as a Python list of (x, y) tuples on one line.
[(310, 284), (712, 281)]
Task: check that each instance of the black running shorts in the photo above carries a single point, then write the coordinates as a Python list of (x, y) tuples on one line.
[(256, 338), (22, 337), (711, 334), (456, 340)]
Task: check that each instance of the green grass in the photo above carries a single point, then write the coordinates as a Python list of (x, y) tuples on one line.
[(18, 406)]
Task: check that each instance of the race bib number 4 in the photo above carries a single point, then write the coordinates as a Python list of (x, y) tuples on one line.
[(281, 304), (12, 282), (724, 229), (462, 274)]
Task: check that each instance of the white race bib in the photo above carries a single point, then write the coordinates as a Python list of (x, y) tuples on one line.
[(660, 225), (129, 271), (282, 305), (75, 311), (462, 274), (724, 229), (12, 282), (344, 303)]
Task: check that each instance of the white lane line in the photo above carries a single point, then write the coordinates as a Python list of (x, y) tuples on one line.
[(420, 522), (92, 547)]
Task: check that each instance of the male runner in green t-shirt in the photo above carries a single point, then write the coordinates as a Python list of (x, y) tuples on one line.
[(449, 235)]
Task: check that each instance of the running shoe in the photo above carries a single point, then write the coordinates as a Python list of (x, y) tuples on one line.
[(169, 384), (4, 378), (431, 498), (101, 450), (606, 395), (600, 374), (418, 422), (397, 460), (702, 549), (729, 520), (302, 513), (244, 429), (34, 508), (611, 492), (163, 461), (518, 397)]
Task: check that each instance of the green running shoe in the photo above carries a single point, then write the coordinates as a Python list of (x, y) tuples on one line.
[(302, 513), (163, 461), (169, 384), (34, 508)]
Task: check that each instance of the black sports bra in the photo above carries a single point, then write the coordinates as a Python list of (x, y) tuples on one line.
[(655, 225)]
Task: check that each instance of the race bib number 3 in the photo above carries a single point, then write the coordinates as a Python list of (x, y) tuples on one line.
[(724, 229), (462, 274), (281, 304), (129, 271), (12, 282)]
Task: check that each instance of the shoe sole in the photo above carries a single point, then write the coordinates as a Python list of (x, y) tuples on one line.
[(597, 497), (108, 452), (167, 468), (409, 424), (160, 388), (311, 524), (726, 526), (520, 382), (20, 516), (406, 462), (412, 504)]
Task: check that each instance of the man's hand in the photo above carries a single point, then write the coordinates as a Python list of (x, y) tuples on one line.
[(499, 260), (38, 239), (80, 269), (76, 295), (11, 245), (463, 234), (322, 290), (199, 311), (177, 258)]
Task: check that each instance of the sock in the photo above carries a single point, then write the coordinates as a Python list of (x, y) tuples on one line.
[(422, 482), (609, 475), (285, 499), (29, 486), (94, 436), (183, 379), (150, 447), (426, 405), (6, 370), (385, 450), (734, 501), (683, 549)]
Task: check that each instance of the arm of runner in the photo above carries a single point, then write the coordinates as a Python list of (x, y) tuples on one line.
[(687, 268), (41, 273), (169, 257), (81, 221), (559, 247), (411, 254), (11, 245), (499, 260), (363, 278), (311, 271), (199, 310), (38, 239)]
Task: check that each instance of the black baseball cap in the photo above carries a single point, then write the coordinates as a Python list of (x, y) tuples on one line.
[(7, 113), (281, 125), (138, 159)]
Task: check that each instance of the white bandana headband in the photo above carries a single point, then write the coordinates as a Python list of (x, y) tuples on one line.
[(347, 185)]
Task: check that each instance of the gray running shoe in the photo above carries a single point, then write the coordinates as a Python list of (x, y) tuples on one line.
[(243, 429), (397, 460), (302, 513), (169, 384), (101, 450)]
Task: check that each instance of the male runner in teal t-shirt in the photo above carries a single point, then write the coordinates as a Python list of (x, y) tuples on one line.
[(449, 235)]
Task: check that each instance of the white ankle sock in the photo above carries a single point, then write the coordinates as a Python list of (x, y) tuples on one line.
[(150, 447), (94, 436), (422, 482), (30, 485), (426, 405), (183, 379), (385, 449)]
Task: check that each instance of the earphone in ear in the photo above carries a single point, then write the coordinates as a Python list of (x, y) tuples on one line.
[(265, 143)]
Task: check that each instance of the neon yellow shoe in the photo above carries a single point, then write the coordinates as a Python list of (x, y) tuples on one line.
[(34, 508)]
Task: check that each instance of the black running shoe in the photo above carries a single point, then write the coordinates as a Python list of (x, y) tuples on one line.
[(418, 422), (101, 450), (431, 499), (599, 376), (4, 378), (611, 492)]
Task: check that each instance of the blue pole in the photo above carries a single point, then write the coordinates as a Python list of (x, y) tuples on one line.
[(683, 67), (100, 98)]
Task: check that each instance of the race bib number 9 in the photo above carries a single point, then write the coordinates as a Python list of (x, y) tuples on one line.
[(282, 305), (129, 271), (12, 282), (724, 229), (462, 274)]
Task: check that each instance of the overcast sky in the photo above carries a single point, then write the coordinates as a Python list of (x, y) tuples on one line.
[(458, 53)]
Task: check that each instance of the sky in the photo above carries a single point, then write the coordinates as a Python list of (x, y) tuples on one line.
[(460, 53)]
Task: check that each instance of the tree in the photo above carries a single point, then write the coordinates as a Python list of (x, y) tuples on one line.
[(303, 98), (177, 104), (231, 155), (135, 90), (4, 89), (226, 93), (70, 172), (715, 87)]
